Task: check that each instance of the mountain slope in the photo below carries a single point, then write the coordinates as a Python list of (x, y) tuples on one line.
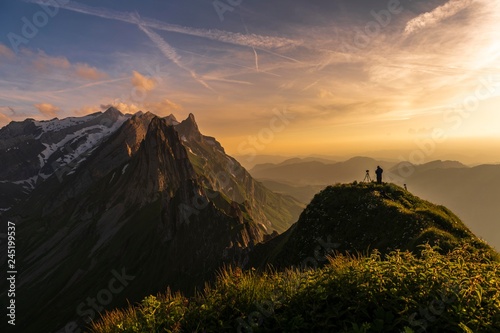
[(362, 217), (135, 206), (222, 173), (31, 151)]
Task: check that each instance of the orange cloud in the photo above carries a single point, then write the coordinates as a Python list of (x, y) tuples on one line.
[(47, 109), (4, 120), (89, 73), (42, 62), (123, 107), (83, 111), (143, 82), (162, 108), (6, 52)]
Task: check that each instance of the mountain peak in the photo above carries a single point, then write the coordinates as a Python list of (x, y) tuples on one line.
[(188, 129), (191, 120), (356, 218), (171, 120), (113, 112)]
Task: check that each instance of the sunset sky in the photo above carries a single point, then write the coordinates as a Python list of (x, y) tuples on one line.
[(351, 76)]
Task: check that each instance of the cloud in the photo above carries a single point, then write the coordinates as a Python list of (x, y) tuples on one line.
[(163, 107), (87, 72), (169, 52), (434, 17), (252, 40), (43, 62), (47, 109), (7, 109), (6, 52), (85, 110), (4, 120), (122, 106), (142, 82)]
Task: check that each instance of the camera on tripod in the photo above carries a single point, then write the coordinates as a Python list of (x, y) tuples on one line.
[(367, 178)]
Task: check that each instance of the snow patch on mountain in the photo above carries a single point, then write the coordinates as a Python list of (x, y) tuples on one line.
[(93, 136), (55, 124)]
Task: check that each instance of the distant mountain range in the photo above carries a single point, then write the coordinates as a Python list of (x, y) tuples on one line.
[(471, 192), (313, 171), (110, 196)]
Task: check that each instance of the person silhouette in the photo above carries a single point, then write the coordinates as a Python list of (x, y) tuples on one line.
[(379, 172)]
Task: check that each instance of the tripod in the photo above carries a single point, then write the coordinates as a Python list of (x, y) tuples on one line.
[(367, 179)]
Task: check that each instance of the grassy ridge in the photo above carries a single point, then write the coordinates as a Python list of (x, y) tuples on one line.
[(403, 292), (361, 217)]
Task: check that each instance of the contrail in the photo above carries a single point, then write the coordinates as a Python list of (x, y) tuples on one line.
[(310, 86), (171, 54), (90, 85), (253, 48), (256, 59), (253, 40), (213, 78), (227, 63)]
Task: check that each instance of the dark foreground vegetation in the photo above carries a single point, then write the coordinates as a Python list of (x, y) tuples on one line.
[(401, 292)]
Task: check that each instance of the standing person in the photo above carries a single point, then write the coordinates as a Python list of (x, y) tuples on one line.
[(379, 173)]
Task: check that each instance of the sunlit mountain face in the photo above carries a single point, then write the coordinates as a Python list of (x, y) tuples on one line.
[(409, 80)]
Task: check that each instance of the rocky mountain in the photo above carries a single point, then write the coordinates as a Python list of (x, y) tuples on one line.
[(134, 205), (31, 151), (359, 218)]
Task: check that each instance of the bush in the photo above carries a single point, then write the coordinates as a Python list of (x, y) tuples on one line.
[(432, 292)]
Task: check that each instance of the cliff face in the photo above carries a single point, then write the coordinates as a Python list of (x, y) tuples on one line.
[(136, 202), (218, 171)]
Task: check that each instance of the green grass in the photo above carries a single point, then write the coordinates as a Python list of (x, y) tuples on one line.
[(362, 217), (402, 292)]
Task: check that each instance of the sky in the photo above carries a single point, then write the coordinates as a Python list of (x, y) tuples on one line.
[(411, 80)]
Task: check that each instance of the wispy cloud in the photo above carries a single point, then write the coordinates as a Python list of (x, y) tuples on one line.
[(6, 52), (169, 52), (439, 14), (87, 72), (45, 63), (258, 41), (89, 85)]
